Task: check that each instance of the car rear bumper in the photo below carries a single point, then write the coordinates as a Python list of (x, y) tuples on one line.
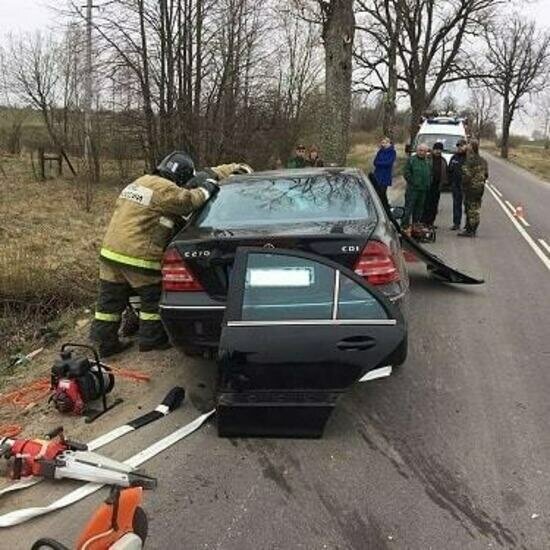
[(193, 320)]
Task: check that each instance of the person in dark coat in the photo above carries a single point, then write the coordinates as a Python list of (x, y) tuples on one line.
[(439, 180), (383, 168), (299, 159), (455, 179), (313, 158)]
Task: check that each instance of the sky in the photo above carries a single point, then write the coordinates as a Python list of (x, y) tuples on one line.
[(32, 15)]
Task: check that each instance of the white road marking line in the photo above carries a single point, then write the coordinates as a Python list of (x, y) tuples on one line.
[(511, 206), (530, 241), (545, 245), (523, 221), (496, 190)]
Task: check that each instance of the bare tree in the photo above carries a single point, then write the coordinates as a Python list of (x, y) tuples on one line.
[(483, 106), (516, 64), (430, 45), (34, 75), (543, 115), (298, 69), (337, 19), (338, 34), (12, 115), (376, 56)]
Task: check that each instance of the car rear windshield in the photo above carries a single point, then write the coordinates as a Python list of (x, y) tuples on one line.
[(280, 200), (449, 141)]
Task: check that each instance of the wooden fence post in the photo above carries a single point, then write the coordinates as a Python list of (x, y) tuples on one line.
[(42, 163)]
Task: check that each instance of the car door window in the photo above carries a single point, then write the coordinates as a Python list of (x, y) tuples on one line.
[(356, 302), (279, 287)]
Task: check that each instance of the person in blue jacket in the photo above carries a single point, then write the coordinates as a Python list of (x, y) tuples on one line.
[(383, 168)]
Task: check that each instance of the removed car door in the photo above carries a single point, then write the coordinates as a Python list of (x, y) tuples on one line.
[(435, 265), (298, 331)]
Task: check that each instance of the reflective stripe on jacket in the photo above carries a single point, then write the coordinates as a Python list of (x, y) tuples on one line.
[(143, 221)]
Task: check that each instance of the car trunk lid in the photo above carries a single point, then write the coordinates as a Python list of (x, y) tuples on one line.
[(210, 252)]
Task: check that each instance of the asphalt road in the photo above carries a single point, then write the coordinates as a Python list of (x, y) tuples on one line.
[(453, 452)]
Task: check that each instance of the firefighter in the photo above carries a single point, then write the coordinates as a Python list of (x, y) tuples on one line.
[(143, 222)]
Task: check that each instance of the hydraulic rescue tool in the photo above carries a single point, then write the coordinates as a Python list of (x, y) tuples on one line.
[(15, 517), (119, 523), (59, 458), (173, 399), (76, 381)]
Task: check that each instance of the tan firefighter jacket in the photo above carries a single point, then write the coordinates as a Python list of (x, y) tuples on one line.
[(143, 221), (144, 218)]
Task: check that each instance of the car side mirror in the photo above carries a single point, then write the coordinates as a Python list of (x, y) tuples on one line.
[(397, 212), (408, 149)]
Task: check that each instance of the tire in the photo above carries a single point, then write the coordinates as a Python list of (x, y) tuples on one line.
[(48, 544), (140, 524)]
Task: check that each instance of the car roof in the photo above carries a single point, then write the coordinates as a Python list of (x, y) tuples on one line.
[(447, 129), (285, 173)]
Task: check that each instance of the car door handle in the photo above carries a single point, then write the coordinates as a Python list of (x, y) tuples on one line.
[(356, 343)]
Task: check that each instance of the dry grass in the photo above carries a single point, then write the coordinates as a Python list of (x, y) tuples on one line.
[(48, 252), (534, 158)]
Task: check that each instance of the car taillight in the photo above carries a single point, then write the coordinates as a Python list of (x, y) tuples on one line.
[(176, 276), (376, 264)]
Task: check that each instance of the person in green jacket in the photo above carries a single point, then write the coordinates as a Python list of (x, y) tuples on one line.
[(418, 175), (299, 159)]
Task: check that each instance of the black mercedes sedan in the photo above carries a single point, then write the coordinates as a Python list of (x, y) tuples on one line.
[(296, 278), (332, 213)]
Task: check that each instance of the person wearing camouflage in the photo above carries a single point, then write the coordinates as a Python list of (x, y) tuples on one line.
[(474, 175)]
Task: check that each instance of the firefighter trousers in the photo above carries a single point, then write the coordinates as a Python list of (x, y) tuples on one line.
[(116, 284)]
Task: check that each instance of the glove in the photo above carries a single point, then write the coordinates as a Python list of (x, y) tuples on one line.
[(209, 187), (196, 180), (242, 169)]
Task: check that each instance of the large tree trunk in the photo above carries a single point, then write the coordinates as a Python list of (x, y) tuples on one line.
[(390, 105), (418, 108), (338, 32), (506, 122), (390, 98)]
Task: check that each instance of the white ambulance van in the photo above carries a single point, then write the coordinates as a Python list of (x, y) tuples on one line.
[(444, 129)]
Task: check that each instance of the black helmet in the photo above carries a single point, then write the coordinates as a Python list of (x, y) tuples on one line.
[(178, 167)]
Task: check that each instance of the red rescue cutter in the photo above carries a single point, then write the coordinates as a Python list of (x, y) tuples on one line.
[(60, 458)]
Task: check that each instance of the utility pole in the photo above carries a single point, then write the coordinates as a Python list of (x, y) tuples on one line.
[(91, 173)]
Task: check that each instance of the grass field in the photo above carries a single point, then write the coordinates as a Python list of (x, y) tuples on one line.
[(48, 253), (534, 158)]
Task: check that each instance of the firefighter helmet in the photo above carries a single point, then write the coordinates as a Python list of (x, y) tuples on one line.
[(177, 167)]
